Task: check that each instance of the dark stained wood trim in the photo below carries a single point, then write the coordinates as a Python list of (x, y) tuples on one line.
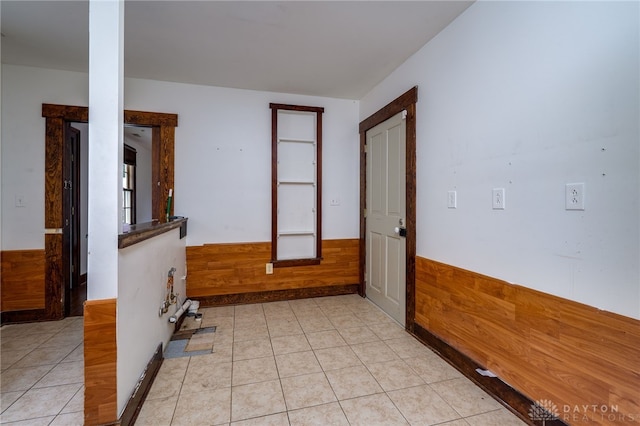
[(296, 262), (407, 101), (392, 108), (27, 315), (319, 183), (150, 119), (411, 150), (79, 114), (53, 184), (274, 185), (166, 157), (54, 288), (513, 400), (163, 153), (145, 231), (276, 295), (302, 108), (363, 206), (134, 405)]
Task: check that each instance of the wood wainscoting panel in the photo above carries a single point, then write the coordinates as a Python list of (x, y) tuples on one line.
[(220, 269), (23, 280), (100, 362), (583, 359)]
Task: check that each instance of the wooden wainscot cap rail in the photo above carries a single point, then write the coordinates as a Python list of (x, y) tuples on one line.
[(144, 231)]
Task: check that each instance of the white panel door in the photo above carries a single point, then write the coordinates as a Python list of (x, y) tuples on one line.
[(386, 249)]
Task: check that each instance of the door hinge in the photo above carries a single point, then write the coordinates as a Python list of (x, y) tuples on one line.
[(365, 148), (73, 210), (67, 184), (404, 114), (365, 212)]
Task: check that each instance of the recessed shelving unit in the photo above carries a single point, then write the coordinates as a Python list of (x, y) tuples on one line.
[(296, 184)]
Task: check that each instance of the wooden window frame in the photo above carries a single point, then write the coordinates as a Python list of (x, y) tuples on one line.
[(274, 186)]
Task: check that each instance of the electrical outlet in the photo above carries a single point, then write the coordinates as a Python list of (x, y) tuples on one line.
[(498, 199), (269, 268), (574, 196), (452, 200), (334, 202)]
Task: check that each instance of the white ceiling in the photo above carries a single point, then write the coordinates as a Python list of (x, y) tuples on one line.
[(337, 49)]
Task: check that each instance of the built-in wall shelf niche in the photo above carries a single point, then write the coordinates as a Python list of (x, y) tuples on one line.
[(296, 182)]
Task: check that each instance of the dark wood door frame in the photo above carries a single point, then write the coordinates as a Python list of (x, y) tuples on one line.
[(162, 151), (406, 101)]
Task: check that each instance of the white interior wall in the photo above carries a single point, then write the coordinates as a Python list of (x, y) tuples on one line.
[(223, 158), (529, 96), (142, 283), (223, 154), (24, 90)]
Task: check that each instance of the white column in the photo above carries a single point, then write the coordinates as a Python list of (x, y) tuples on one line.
[(106, 88)]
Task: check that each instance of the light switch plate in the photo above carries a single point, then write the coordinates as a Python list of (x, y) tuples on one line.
[(452, 200), (498, 199)]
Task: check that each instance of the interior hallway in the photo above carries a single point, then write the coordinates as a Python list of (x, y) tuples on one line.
[(332, 360)]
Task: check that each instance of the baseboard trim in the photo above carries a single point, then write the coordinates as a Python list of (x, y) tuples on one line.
[(137, 398), (27, 315), (276, 295), (513, 400)]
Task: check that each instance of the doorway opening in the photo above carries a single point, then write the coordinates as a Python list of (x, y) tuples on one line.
[(405, 102), (74, 211), (58, 237)]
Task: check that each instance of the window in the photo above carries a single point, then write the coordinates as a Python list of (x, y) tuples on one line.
[(296, 171), (129, 186)]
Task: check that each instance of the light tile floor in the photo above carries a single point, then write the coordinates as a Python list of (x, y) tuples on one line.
[(322, 361), (42, 378)]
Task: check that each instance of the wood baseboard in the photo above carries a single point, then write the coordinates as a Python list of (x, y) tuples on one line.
[(499, 390), (100, 362), (276, 295), (28, 315), (134, 405)]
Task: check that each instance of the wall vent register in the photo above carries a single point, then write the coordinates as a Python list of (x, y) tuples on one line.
[(296, 182)]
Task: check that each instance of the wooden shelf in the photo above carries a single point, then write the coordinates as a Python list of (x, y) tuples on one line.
[(296, 182), (296, 195), (295, 233), (295, 140)]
